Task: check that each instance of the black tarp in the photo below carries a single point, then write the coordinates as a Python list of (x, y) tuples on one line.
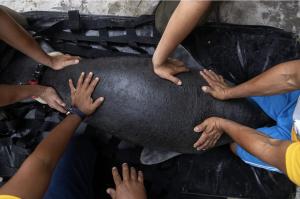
[(238, 53)]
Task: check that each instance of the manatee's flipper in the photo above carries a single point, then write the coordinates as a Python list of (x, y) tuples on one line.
[(152, 156)]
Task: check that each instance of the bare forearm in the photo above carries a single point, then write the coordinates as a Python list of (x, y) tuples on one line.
[(51, 148), (183, 20), (248, 138), (41, 163), (14, 93), (256, 143), (17, 37), (279, 79)]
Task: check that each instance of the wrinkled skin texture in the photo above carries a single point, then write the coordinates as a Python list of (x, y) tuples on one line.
[(142, 108)]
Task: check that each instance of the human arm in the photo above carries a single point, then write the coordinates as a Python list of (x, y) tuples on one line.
[(256, 143), (131, 186), (15, 35), (32, 179), (15, 93), (181, 23), (281, 78)]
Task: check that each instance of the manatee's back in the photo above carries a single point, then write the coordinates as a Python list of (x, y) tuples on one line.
[(144, 109)]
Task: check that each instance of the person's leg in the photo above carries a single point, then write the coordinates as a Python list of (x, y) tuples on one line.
[(16, 16), (280, 108), (73, 176), (276, 105)]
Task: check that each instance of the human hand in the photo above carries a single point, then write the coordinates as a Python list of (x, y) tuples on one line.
[(217, 86), (169, 69), (131, 187), (59, 61), (211, 132), (81, 96), (50, 97)]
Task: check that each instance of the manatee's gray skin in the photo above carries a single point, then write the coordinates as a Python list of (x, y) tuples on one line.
[(139, 106)]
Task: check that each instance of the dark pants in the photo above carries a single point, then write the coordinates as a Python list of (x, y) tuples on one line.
[(73, 176)]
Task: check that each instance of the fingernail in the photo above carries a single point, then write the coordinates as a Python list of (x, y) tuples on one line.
[(97, 78), (198, 149), (101, 98), (63, 104), (124, 164), (114, 168), (179, 83), (204, 88), (90, 73), (82, 73), (76, 61), (196, 129)]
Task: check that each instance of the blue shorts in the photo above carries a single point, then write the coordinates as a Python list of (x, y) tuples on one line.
[(280, 108)]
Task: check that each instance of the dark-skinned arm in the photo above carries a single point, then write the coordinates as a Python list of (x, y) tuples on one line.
[(265, 148), (15, 35), (14, 93), (281, 78), (272, 151), (32, 179)]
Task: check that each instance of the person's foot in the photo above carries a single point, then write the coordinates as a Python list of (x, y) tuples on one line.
[(130, 187)]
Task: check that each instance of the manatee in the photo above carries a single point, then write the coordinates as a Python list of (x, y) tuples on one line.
[(139, 106)]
